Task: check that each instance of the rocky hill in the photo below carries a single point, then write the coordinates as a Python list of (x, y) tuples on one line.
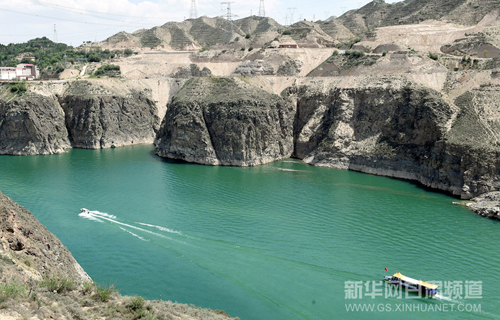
[(378, 13), (197, 33)]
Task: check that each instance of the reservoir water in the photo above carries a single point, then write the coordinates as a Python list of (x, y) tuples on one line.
[(279, 241)]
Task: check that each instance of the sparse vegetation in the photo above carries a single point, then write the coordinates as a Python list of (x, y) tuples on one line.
[(485, 53), (109, 70), (104, 293), (11, 290), (287, 33), (433, 56), (59, 284)]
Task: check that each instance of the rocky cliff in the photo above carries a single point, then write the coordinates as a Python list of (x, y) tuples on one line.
[(32, 124), (396, 128), (85, 115), (388, 126), (30, 246), (225, 121), (102, 119)]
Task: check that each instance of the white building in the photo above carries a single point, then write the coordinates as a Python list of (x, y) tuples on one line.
[(23, 71), (8, 73)]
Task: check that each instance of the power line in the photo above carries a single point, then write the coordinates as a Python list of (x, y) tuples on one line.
[(62, 19), (229, 18), (291, 11), (193, 14), (262, 10), (85, 11)]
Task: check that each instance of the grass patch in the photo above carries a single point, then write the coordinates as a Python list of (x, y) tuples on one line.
[(59, 284), (104, 293), (11, 290)]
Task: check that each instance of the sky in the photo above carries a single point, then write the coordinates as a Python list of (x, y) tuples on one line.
[(75, 21)]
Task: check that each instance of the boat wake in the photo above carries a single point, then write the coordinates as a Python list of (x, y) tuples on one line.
[(105, 217), (159, 228), (447, 299)]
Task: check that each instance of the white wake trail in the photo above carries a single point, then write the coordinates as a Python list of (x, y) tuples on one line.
[(159, 228), (135, 235)]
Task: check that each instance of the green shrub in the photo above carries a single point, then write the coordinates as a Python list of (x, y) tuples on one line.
[(104, 293), (250, 48), (242, 48), (485, 53), (384, 53), (433, 56), (58, 69), (135, 303), (59, 284), (18, 88), (88, 287), (335, 53), (287, 32), (127, 52), (110, 70), (247, 36)]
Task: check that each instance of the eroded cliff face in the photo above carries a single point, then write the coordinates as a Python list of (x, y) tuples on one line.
[(32, 125), (225, 121), (399, 129), (85, 115), (104, 120), (36, 252)]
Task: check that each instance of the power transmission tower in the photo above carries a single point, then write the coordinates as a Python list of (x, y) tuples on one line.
[(193, 13), (55, 34), (229, 18), (291, 11), (262, 10)]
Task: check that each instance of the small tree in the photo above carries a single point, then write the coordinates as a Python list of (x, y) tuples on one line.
[(128, 52), (247, 36)]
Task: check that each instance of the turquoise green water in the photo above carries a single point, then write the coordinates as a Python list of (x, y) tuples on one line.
[(278, 241)]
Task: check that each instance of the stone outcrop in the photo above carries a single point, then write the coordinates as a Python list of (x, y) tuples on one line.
[(290, 67), (487, 205), (31, 125), (104, 120), (225, 121), (35, 250), (192, 71), (83, 116), (254, 68), (396, 128)]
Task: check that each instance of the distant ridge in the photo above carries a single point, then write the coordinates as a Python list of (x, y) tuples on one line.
[(194, 34), (380, 14)]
